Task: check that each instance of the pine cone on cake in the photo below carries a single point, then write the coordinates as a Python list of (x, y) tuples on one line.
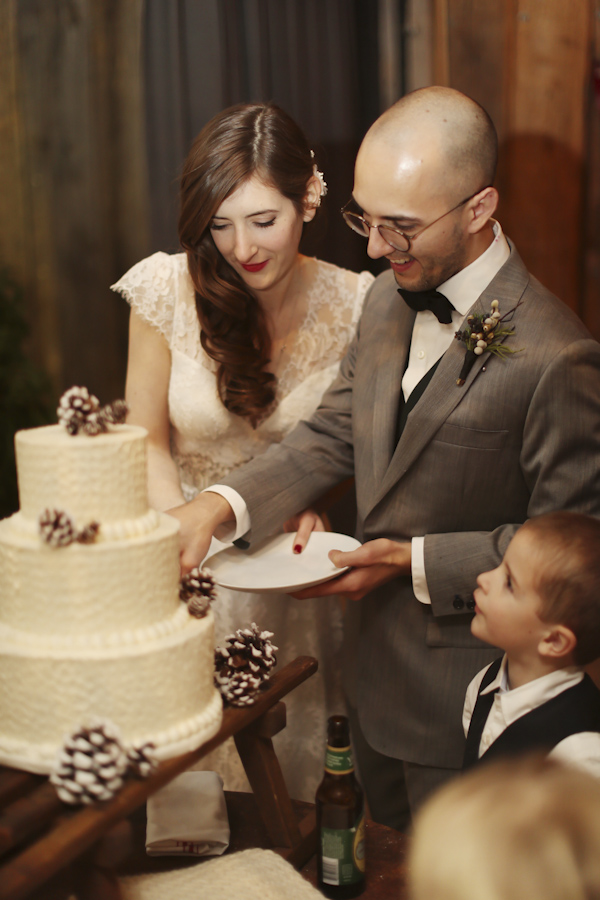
[(244, 664), (88, 533), (56, 528), (197, 589), (75, 407), (79, 411), (114, 413), (92, 764), (142, 759), (94, 424)]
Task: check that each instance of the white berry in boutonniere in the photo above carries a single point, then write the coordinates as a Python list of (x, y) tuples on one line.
[(484, 332)]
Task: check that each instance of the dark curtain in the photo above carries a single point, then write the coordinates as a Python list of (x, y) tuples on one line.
[(317, 59)]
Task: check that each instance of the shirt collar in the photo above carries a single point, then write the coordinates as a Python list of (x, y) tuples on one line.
[(501, 679), (516, 702), (463, 289)]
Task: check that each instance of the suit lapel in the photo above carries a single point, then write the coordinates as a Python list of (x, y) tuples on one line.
[(443, 395), (396, 335)]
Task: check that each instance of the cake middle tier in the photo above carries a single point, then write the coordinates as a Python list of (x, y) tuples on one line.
[(88, 589), (157, 690)]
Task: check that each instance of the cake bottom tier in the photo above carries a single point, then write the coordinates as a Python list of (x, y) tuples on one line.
[(161, 691)]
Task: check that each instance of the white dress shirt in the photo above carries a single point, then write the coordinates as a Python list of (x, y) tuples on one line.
[(430, 340), (510, 704)]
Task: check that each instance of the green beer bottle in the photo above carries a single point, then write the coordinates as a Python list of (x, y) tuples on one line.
[(340, 818)]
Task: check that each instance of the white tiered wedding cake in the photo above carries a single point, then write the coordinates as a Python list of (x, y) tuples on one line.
[(96, 629)]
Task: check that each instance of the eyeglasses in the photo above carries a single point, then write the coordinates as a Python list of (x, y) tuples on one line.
[(393, 236)]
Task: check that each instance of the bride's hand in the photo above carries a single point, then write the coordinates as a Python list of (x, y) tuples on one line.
[(304, 524)]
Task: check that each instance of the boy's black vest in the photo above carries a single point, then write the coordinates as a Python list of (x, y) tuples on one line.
[(572, 711)]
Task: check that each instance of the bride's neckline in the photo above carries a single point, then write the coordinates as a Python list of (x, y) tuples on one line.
[(293, 315)]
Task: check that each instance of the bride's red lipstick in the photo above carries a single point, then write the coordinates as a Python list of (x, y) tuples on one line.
[(254, 267)]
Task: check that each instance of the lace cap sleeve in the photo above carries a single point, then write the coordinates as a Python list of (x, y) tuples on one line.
[(151, 289)]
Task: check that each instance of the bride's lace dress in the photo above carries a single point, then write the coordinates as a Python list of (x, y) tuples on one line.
[(207, 442)]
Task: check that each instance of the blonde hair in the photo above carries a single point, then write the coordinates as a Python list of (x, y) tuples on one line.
[(567, 580), (514, 830)]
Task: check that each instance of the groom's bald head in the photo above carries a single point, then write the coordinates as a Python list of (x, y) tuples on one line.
[(455, 134), (425, 169)]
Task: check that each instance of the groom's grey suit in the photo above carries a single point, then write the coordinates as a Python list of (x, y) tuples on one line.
[(520, 438)]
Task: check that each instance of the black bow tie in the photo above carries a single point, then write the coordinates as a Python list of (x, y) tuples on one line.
[(439, 305)]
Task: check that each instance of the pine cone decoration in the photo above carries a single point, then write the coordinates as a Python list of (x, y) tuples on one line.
[(88, 533), (141, 759), (94, 424), (197, 589), (244, 664), (114, 413), (74, 408), (79, 410), (239, 689), (56, 528), (91, 765)]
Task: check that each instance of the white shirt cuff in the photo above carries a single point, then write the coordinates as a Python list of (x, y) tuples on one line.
[(417, 564), (227, 533)]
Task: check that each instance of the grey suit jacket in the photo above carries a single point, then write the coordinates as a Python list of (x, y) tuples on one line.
[(520, 438)]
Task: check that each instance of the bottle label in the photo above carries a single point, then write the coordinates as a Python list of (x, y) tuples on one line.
[(338, 760), (343, 854)]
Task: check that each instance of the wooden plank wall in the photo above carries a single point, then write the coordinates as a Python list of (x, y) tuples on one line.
[(529, 63), (72, 178), (591, 261), (73, 183)]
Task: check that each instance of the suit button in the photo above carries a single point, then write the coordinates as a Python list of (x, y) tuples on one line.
[(458, 602), (471, 603)]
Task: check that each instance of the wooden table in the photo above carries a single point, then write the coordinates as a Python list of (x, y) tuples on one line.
[(42, 839), (49, 850)]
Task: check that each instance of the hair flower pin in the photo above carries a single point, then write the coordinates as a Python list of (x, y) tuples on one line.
[(318, 174), (485, 332)]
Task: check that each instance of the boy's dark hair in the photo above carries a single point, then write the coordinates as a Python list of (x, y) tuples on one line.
[(569, 580)]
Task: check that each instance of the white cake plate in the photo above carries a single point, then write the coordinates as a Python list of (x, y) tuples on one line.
[(272, 565)]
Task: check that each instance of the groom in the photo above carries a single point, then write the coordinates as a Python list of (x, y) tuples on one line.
[(445, 472)]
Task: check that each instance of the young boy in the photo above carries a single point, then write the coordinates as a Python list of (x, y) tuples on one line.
[(542, 607)]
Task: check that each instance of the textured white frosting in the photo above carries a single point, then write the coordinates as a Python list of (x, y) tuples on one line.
[(100, 478), (97, 630), (158, 690), (88, 589)]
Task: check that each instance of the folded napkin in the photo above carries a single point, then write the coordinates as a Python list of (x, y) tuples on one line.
[(188, 817), (253, 874)]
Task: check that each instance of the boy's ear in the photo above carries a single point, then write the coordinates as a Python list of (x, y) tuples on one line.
[(557, 643)]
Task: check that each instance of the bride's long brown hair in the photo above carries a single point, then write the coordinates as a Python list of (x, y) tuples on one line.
[(242, 141)]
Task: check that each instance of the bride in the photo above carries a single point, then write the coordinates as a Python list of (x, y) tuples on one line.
[(232, 343)]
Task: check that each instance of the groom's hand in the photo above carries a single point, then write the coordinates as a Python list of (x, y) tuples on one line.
[(198, 520), (373, 564)]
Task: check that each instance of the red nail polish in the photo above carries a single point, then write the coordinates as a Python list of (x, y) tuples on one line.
[(297, 548)]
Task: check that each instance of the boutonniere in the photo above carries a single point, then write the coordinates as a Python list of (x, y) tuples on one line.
[(484, 333)]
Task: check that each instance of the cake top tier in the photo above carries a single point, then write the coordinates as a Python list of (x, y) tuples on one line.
[(98, 478)]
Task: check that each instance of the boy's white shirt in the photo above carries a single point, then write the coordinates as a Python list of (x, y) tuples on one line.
[(582, 750)]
